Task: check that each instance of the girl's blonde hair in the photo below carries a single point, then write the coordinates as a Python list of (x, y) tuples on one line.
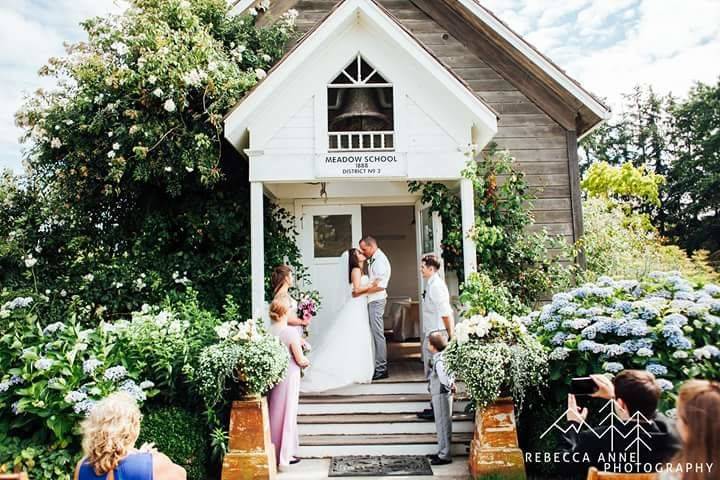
[(110, 431), (278, 309)]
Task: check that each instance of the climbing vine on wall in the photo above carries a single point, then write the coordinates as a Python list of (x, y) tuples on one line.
[(524, 262)]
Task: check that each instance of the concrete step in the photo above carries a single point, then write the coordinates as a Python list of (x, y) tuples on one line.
[(385, 388), (381, 424), (355, 404), (323, 446)]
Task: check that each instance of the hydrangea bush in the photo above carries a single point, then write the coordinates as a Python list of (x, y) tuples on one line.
[(496, 356), (664, 324)]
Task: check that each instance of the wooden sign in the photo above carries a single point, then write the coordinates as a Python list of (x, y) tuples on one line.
[(361, 165)]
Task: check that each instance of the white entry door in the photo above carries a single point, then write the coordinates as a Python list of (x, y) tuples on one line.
[(326, 232), (429, 240)]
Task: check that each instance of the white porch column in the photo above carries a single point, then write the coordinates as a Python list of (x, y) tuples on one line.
[(257, 249), (467, 201)]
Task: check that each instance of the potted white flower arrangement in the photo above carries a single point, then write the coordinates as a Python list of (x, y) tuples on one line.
[(499, 361), (246, 362)]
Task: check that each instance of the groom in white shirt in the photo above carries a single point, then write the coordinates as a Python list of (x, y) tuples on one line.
[(379, 272)]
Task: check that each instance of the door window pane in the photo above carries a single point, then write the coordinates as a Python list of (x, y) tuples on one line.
[(428, 242), (332, 234)]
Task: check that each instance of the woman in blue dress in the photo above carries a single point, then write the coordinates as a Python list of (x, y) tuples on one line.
[(109, 435)]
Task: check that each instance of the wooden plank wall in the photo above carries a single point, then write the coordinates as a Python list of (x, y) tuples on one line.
[(539, 144)]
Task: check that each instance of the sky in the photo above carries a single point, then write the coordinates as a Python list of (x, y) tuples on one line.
[(608, 45)]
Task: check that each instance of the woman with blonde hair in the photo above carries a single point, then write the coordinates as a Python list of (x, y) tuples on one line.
[(109, 435), (283, 399), (698, 422)]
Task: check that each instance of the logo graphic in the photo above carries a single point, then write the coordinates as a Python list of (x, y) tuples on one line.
[(611, 427)]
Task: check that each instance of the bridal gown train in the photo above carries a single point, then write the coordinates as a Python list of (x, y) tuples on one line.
[(345, 354)]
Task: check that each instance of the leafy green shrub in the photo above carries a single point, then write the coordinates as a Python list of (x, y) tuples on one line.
[(40, 461), (480, 295), (181, 435), (496, 356), (663, 324), (622, 244)]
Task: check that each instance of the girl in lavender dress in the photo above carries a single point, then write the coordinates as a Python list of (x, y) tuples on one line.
[(283, 399)]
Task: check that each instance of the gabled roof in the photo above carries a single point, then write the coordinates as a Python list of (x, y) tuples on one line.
[(590, 110), (237, 120), (547, 66)]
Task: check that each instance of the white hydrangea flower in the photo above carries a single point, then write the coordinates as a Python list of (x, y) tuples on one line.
[(75, 396), (55, 143), (158, 92), (265, 57), (146, 384), (152, 79), (29, 260), (120, 48), (169, 105), (116, 146), (43, 364), (111, 154), (89, 277), (260, 73)]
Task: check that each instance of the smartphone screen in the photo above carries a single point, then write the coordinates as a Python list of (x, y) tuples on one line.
[(583, 386)]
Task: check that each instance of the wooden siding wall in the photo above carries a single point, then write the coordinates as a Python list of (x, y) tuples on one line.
[(539, 144)]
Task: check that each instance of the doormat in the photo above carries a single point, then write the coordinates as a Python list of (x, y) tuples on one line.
[(384, 466)]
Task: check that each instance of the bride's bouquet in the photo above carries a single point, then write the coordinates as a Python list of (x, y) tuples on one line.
[(307, 308)]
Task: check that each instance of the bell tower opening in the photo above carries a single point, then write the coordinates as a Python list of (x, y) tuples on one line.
[(360, 109)]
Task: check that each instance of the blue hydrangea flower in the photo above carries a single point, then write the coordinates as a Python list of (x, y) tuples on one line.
[(656, 369), (581, 292), (15, 407), (712, 319), (683, 295), (134, 390), (706, 352), (664, 384), (624, 306), (559, 353), (4, 386), (676, 319), (551, 326), (602, 292), (604, 281), (53, 327), (18, 302), (568, 309), (613, 367), (43, 364), (559, 338), (644, 352), (586, 345), (83, 407), (696, 311), (589, 332), (612, 350), (90, 365), (16, 380), (712, 289), (75, 397), (115, 373)]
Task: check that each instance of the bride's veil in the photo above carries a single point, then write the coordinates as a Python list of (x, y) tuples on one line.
[(337, 297), (341, 289)]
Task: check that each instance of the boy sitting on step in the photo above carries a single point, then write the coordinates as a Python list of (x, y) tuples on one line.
[(442, 385)]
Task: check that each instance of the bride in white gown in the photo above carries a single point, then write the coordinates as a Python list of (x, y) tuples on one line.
[(343, 350)]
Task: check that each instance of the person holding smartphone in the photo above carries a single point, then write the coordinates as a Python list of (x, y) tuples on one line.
[(634, 395)]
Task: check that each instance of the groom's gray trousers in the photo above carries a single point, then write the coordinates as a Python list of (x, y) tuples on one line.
[(376, 310)]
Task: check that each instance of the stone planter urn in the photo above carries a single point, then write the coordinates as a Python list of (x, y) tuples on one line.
[(251, 455), (494, 449)]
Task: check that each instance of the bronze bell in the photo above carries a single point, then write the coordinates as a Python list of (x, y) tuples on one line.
[(360, 111)]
